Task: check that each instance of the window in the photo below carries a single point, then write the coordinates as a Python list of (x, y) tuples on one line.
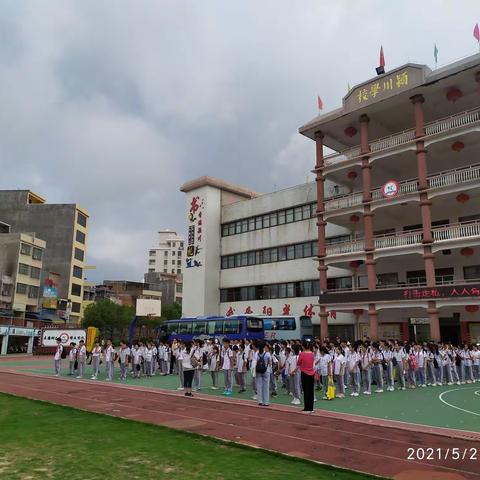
[(35, 272), (251, 258), (305, 289), (151, 253), (279, 324), (290, 252), (25, 249), (231, 229), (290, 290), (33, 291), (76, 307), (37, 253), (77, 271), (224, 230), (297, 214), (179, 270), (80, 237), (307, 249), (282, 254), (281, 217), (151, 262), (266, 221), (471, 272), (251, 224), (231, 326), (22, 288), (80, 254), (81, 219), (179, 253), (164, 270), (273, 219), (199, 328), (23, 269), (258, 223), (244, 226), (339, 283), (387, 279), (150, 270), (184, 328), (238, 227), (76, 289), (274, 255), (289, 215), (444, 276), (179, 262), (173, 270), (416, 277), (469, 218), (306, 212)]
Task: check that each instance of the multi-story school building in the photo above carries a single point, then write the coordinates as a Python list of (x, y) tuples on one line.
[(391, 226)]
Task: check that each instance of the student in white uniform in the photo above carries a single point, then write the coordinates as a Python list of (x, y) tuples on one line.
[(96, 355), (339, 371), (124, 354), (421, 362), (366, 363), (148, 358), (476, 363), (431, 365), (323, 368), (295, 374), (227, 367), (467, 364), (399, 362), (214, 365), (109, 359), (241, 368), (72, 359), (81, 358), (354, 364), (387, 358), (197, 352), (136, 360), (377, 366), (58, 356)]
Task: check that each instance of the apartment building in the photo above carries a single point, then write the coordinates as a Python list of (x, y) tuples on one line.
[(64, 227)]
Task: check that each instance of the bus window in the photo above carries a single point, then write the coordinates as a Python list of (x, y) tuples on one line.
[(185, 328), (211, 327), (219, 327), (288, 323), (305, 321), (254, 324), (198, 328), (172, 328), (231, 326)]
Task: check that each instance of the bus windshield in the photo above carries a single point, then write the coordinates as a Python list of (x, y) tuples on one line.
[(254, 324)]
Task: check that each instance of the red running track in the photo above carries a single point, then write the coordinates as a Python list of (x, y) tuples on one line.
[(375, 449)]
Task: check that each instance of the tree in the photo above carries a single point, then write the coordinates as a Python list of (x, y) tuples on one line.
[(111, 319), (171, 311)]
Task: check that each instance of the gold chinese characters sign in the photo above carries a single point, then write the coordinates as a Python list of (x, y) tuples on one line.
[(384, 86)]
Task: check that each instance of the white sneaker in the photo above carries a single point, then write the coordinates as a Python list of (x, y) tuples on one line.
[(449, 383), (315, 399), (57, 375), (214, 388), (94, 378), (254, 397), (458, 383), (180, 388), (403, 388), (379, 391), (424, 386), (367, 393), (295, 401), (355, 394), (78, 376), (469, 381)]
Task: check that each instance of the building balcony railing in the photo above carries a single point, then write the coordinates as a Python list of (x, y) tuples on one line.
[(455, 231), (439, 180), (443, 125)]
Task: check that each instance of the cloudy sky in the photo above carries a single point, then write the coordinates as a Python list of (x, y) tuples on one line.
[(114, 104)]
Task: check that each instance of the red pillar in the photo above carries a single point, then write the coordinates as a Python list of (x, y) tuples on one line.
[(321, 224), (425, 209)]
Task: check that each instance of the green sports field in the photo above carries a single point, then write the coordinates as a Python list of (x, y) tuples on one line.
[(44, 441), (454, 406)]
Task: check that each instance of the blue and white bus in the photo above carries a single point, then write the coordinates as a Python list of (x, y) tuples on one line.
[(287, 327), (233, 328)]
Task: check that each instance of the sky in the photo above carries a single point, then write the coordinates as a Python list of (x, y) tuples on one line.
[(114, 104)]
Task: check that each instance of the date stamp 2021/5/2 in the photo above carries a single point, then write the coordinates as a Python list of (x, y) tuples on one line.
[(465, 454)]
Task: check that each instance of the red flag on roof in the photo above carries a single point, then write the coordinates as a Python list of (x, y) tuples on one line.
[(320, 103), (382, 58), (476, 33)]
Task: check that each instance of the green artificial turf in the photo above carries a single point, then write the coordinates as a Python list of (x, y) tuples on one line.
[(40, 440)]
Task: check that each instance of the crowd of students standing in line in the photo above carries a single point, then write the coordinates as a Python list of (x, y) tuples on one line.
[(297, 366)]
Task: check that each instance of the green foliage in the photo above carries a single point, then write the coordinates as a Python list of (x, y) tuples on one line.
[(111, 319), (172, 311)]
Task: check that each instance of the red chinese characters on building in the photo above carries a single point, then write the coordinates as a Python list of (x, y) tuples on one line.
[(230, 312), (249, 310), (308, 310), (286, 309), (267, 310), (195, 228), (332, 314)]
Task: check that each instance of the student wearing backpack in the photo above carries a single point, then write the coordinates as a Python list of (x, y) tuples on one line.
[(59, 354), (399, 362), (306, 365), (263, 370)]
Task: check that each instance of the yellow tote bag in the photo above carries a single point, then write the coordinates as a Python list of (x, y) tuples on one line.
[(330, 389)]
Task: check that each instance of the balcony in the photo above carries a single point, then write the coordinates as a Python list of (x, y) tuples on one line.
[(432, 129), (386, 245), (439, 181)]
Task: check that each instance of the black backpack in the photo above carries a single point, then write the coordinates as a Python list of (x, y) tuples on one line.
[(261, 366), (204, 358), (64, 353)]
